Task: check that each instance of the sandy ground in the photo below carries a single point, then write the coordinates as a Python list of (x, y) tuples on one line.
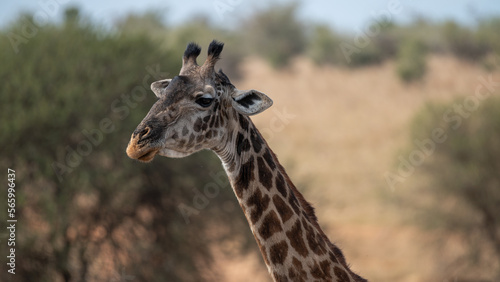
[(337, 132)]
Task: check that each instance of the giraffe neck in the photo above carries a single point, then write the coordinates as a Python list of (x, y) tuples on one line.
[(292, 244)]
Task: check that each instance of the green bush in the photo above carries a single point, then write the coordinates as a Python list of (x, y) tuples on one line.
[(328, 47), (411, 64), (487, 33), (85, 211), (463, 194), (489, 36), (387, 43), (275, 34), (383, 45), (463, 42), (369, 55), (324, 47), (391, 41)]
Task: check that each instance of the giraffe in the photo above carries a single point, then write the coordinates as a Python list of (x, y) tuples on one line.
[(200, 109)]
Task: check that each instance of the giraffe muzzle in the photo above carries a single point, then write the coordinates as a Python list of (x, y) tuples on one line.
[(140, 145)]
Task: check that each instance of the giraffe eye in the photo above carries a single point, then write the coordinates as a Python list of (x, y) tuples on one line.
[(204, 101)]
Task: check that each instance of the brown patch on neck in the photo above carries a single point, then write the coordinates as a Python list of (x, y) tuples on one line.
[(319, 241), (296, 272), (283, 209), (259, 204), (278, 252), (270, 225), (296, 237), (305, 235)]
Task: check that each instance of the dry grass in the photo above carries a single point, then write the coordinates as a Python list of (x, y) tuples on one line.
[(347, 130)]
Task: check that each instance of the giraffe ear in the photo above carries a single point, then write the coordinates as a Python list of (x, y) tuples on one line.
[(159, 86), (251, 102)]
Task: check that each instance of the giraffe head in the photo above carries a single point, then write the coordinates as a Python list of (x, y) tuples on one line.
[(195, 110)]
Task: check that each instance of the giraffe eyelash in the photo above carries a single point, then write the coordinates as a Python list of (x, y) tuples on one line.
[(204, 100), (203, 95)]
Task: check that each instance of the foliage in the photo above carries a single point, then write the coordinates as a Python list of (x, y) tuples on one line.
[(198, 29), (149, 23), (324, 46), (276, 34), (386, 39), (487, 33), (85, 211), (463, 195), (462, 42), (369, 55), (411, 65)]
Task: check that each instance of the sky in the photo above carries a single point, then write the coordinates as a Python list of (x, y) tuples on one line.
[(346, 15)]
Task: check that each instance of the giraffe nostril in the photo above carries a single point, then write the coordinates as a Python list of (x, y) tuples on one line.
[(145, 132)]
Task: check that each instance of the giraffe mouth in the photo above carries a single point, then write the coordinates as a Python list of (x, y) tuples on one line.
[(149, 156), (144, 153)]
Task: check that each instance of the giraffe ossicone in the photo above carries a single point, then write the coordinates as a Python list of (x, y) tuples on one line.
[(201, 109)]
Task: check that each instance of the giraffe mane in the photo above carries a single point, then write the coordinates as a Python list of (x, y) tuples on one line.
[(223, 79)]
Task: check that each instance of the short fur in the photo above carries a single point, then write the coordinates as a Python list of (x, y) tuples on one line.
[(284, 224)]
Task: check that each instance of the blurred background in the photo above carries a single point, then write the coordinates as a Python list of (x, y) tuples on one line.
[(386, 116)]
